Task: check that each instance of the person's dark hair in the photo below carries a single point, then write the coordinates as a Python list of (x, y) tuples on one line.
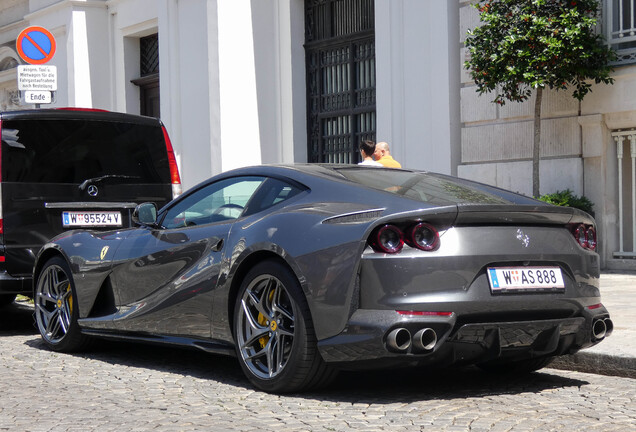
[(368, 147)]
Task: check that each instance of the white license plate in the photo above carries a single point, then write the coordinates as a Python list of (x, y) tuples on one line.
[(504, 279), (91, 218)]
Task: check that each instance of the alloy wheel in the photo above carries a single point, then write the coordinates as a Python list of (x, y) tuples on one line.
[(266, 326), (53, 304)]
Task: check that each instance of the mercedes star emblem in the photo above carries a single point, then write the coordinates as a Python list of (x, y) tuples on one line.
[(92, 190)]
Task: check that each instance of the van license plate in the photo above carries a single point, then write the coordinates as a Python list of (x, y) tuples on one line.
[(90, 218), (506, 279)]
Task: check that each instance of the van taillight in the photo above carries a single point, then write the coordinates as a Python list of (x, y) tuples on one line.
[(175, 179), (81, 109), (1, 215)]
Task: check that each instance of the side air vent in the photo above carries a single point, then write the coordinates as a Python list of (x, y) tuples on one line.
[(105, 301), (353, 218)]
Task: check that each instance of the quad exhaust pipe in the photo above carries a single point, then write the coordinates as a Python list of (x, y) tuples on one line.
[(425, 339), (602, 328), (400, 340), (599, 329), (609, 327)]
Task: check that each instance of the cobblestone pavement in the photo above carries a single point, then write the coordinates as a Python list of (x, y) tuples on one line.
[(125, 387)]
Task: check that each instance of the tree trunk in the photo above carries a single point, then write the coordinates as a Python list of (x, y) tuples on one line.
[(536, 147)]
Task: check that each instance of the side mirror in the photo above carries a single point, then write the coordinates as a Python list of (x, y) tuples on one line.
[(145, 214)]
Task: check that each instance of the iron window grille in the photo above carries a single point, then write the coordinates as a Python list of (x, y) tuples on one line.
[(620, 29), (149, 55), (340, 59)]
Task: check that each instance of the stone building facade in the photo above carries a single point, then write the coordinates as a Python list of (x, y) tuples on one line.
[(588, 147)]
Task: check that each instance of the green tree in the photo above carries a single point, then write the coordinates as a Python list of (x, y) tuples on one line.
[(567, 198), (530, 45)]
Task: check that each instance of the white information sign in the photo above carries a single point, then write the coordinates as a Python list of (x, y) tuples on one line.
[(37, 78), (37, 97)]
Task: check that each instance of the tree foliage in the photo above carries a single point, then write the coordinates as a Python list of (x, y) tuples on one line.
[(568, 199), (523, 46), (528, 44)]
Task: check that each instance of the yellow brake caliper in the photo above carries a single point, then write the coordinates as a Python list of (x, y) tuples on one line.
[(263, 321), (70, 299)]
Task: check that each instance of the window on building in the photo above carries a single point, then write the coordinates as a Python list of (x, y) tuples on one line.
[(340, 61), (148, 81), (620, 24)]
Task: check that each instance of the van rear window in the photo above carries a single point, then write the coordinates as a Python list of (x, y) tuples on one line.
[(71, 151)]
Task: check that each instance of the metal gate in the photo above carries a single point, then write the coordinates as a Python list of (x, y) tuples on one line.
[(340, 58)]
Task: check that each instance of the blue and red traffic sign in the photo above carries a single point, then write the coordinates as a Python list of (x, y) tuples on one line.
[(35, 45)]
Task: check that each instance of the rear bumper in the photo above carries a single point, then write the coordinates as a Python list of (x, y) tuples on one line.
[(368, 339), (15, 285)]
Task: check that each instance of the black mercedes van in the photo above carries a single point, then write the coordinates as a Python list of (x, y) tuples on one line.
[(63, 169)]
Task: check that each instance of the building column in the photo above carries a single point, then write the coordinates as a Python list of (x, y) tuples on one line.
[(189, 82), (418, 79), (596, 172)]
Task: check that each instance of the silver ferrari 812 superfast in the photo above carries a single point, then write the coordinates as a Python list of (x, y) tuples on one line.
[(303, 270)]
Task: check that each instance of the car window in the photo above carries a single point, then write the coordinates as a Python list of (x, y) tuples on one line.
[(220, 201), (71, 151), (271, 192), (426, 187)]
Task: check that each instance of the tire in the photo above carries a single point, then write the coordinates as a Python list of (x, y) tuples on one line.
[(56, 311), (274, 334), (516, 367), (6, 299)]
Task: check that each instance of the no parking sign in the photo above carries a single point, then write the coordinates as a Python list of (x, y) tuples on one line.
[(35, 45)]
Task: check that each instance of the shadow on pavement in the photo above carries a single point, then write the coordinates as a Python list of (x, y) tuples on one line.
[(407, 385), (165, 359), (381, 386), (17, 318)]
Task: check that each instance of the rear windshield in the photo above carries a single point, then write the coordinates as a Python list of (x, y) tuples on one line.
[(72, 151), (431, 188)]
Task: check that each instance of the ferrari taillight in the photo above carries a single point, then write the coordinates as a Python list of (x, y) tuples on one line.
[(591, 238), (387, 239), (423, 236), (585, 236), (391, 238)]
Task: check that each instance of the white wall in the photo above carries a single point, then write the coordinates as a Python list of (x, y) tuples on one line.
[(190, 86), (82, 57), (417, 69), (231, 78), (240, 134), (279, 58)]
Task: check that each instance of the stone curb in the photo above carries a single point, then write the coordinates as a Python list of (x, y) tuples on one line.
[(601, 364)]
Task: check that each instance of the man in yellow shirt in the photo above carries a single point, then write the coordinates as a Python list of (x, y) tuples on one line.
[(383, 155)]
